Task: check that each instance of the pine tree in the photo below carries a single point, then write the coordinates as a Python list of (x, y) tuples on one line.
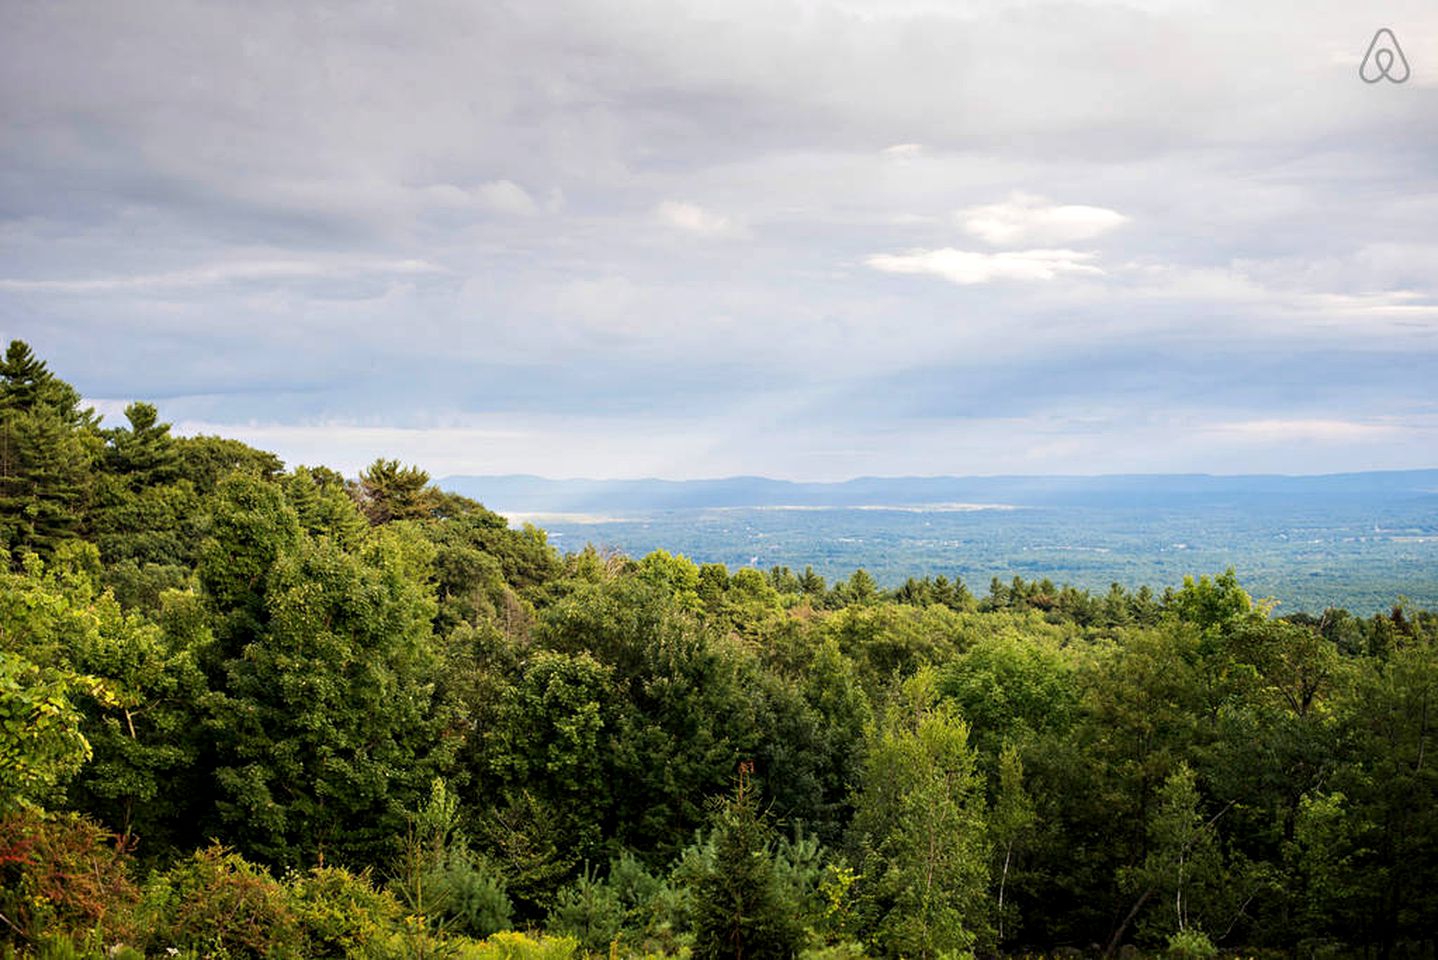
[(145, 453), (388, 491), (740, 911), (47, 445)]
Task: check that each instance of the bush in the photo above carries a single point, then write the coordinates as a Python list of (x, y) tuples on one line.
[(341, 914), (1190, 945), (217, 903), (654, 910), (440, 880), (475, 900), (589, 911), (838, 951), (640, 911), (62, 877), (518, 946)]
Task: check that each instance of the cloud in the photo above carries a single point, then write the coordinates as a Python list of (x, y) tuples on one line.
[(1397, 305), (506, 196), (609, 305), (1028, 219), (693, 218), (462, 212), (1319, 430), (234, 271), (968, 267), (567, 445)]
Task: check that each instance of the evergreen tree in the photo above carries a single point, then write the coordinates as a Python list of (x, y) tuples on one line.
[(389, 491), (811, 583), (144, 454), (740, 911), (48, 443)]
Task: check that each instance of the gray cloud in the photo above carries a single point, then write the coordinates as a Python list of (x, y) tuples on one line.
[(796, 227)]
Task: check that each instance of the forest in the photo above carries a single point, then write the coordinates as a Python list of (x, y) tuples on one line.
[(251, 710)]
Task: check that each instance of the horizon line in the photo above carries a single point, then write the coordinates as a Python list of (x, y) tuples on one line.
[(942, 476)]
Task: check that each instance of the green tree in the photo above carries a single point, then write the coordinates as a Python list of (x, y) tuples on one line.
[(439, 879), (323, 505), (812, 584), (206, 460), (1384, 849), (858, 590), (740, 910), (1011, 821), (324, 730), (43, 616), (552, 740), (832, 690), (252, 527), (590, 911), (1184, 865), (1211, 602), (1010, 687), (389, 491), (48, 444), (146, 518), (143, 454), (143, 727), (920, 829)]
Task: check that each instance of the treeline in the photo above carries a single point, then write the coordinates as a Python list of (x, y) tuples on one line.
[(251, 711)]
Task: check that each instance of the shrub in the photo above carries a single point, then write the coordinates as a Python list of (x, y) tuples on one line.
[(589, 911), (640, 911), (63, 877), (654, 910), (341, 913), (518, 946), (1190, 945), (439, 879), (217, 903), (475, 900), (838, 951)]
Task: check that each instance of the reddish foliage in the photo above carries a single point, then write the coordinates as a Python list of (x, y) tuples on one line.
[(68, 874)]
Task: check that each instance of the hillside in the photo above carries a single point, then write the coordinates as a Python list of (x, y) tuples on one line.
[(251, 711)]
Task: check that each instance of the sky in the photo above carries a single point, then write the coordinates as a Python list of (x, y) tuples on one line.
[(809, 240)]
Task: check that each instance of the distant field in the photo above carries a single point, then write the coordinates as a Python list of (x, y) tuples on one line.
[(1359, 543), (1362, 562)]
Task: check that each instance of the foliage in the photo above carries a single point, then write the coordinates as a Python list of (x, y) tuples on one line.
[(741, 907), (48, 443), (590, 911), (440, 880), (1190, 945), (341, 914), (321, 732), (921, 831), (519, 946), (48, 619), (339, 680), (216, 902), (63, 873)]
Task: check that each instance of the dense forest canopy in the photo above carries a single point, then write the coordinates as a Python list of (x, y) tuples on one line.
[(255, 711)]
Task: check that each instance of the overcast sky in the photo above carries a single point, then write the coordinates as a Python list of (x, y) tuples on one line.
[(807, 239)]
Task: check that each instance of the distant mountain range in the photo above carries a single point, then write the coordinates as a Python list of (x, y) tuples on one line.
[(518, 493)]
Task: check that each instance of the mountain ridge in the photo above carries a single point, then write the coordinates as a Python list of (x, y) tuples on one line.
[(534, 494)]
